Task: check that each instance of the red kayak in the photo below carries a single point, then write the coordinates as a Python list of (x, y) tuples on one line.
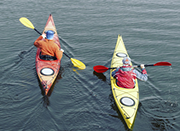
[(47, 70)]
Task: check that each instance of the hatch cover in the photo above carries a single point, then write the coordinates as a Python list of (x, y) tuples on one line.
[(47, 71), (127, 101), (119, 54)]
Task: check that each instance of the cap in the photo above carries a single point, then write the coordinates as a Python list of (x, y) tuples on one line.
[(126, 61), (49, 34)]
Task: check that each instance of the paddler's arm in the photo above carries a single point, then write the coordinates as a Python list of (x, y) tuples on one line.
[(114, 72), (36, 43), (143, 75), (59, 54)]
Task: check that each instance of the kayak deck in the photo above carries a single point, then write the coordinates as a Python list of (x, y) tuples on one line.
[(127, 100), (47, 70)]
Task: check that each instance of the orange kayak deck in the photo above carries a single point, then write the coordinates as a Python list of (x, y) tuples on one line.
[(47, 70)]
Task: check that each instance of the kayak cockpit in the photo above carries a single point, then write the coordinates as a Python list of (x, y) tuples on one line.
[(47, 57), (125, 87)]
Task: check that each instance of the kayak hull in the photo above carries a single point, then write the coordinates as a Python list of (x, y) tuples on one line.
[(127, 100), (47, 70)]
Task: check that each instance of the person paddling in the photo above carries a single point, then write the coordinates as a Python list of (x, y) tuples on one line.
[(126, 75), (49, 49)]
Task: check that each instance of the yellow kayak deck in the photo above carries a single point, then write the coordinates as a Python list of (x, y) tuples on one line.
[(127, 100)]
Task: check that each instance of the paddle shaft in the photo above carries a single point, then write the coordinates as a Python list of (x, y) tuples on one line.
[(37, 31), (66, 55), (101, 69), (139, 66), (133, 66), (145, 65)]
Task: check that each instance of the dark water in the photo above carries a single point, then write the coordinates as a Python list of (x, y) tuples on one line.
[(81, 100)]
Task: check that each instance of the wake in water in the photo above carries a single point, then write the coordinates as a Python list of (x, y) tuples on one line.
[(23, 54), (46, 101), (162, 113)]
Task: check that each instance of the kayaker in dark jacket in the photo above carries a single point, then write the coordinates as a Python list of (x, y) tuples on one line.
[(126, 75), (49, 49)]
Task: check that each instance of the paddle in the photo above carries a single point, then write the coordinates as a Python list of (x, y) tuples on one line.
[(75, 62), (101, 69)]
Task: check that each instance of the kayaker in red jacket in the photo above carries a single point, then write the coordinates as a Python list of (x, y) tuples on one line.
[(49, 49), (126, 75)]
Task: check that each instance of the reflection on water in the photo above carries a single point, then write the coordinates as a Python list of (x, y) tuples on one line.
[(75, 70), (46, 101), (161, 124), (161, 113), (100, 76), (46, 97), (119, 116)]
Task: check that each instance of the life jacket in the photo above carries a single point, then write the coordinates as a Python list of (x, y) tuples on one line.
[(125, 79), (48, 47)]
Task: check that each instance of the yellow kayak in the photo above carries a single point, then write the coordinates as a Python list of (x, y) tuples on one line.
[(127, 100)]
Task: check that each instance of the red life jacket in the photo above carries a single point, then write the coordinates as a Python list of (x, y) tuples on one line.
[(125, 79)]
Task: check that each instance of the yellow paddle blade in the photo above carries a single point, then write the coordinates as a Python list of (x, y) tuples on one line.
[(26, 22), (78, 63)]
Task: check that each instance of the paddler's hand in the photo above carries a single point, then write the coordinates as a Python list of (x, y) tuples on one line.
[(43, 35), (62, 50), (142, 66)]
